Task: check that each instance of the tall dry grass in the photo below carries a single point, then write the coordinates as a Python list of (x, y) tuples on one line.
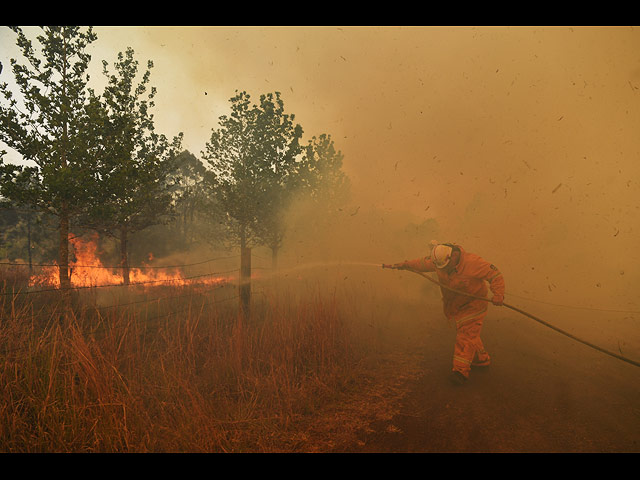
[(186, 374)]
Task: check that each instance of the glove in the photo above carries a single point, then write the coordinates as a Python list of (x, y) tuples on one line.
[(395, 266), (498, 300)]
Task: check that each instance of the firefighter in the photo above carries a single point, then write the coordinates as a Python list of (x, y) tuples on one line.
[(469, 273)]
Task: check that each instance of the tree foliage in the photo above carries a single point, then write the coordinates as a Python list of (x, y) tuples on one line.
[(50, 126), (96, 160), (136, 163), (258, 168), (197, 218), (251, 155), (322, 175), (25, 234)]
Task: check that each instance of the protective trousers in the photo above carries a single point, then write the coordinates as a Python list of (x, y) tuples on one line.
[(469, 349)]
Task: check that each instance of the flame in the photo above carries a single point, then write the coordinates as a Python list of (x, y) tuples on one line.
[(87, 270)]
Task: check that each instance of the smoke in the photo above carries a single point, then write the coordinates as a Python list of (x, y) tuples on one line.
[(520, 143)]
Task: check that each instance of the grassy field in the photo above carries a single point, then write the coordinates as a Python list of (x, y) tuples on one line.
[(177, 369)]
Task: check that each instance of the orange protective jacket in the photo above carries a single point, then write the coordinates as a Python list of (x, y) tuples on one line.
[(469, 276)]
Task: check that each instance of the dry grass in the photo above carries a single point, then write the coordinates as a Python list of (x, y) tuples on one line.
[(303, 373)]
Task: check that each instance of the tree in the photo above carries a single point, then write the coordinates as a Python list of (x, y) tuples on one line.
[(281, 149), (136, 163), (250, 155), (51, 127), (25, 234), (189, 195), (321, 173)]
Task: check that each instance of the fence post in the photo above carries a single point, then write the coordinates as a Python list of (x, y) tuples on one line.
[(245, 281)]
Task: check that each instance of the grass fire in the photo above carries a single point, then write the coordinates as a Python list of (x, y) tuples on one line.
[(87, 270), (334, 239)]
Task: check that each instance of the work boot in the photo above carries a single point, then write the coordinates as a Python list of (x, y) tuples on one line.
[(457, 378)]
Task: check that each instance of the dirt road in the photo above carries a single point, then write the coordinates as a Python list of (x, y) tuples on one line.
[(542, 393)]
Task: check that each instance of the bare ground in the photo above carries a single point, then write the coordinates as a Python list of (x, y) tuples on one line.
[(543, 393)]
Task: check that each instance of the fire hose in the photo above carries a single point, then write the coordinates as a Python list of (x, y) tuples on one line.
[(533, 317)]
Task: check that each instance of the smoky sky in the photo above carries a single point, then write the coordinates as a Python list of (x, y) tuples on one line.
[(521, 142)]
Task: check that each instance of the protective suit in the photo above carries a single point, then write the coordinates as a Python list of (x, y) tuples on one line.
[(471, 275)]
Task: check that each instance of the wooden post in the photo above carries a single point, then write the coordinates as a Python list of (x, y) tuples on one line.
[(245, 281)]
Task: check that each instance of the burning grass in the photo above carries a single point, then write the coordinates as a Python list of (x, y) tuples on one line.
[(185, 374), (87, 270)]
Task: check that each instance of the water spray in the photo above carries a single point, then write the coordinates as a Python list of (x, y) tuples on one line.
[(533, 317), (325, 264), (424, 275)]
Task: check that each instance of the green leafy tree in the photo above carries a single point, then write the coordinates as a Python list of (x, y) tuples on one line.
[(321, 173), (190, 198), (50, 126), (136, 164), (281, 148), (25, 234), (249, 154), (259, 167)]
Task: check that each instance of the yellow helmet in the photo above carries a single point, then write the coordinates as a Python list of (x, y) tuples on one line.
[(441, 255)]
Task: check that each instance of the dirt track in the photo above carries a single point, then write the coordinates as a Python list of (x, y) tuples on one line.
[(543, 393)]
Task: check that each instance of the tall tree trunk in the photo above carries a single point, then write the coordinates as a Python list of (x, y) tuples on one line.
[(245, 274), (63, 252), (124, 258), (184, 227), (65, 279), (29, 241), (192, 212)]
